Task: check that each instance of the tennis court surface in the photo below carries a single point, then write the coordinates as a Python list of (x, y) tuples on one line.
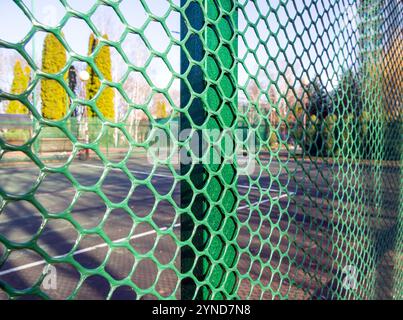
[(288, 235)]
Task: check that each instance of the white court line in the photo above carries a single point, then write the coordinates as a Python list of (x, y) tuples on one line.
[(257, 188), (133, 171), (267, 200), (167, 176), (102, 245)]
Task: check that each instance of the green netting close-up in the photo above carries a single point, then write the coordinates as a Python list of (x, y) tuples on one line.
[(201, 149)]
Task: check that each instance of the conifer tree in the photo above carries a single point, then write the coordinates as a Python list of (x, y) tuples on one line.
[(19, 85), (103, 61), (161, 110), (54, 97)]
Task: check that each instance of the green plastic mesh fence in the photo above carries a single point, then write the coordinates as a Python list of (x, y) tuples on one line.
[(205, 149)]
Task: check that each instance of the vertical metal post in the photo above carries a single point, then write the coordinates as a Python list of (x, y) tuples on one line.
[(208, 189), (33, 50), (34, 97)]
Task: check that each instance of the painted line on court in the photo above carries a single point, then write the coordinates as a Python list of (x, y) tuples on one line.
[(102, 245), (257, 188), (167, 176), (133, 171), (267, 200)]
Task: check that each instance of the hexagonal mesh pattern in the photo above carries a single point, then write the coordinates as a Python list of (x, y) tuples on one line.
[(116, 177)]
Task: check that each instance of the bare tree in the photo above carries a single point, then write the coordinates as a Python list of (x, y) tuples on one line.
[(254, 93), (137, 88), (274, 98)]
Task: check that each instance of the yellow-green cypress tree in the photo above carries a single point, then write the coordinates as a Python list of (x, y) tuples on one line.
[(103, 61), (93, 84), (54, 97), (161, 110), (19, 85)]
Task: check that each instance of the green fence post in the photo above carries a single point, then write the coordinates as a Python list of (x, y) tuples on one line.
[(208, 192)]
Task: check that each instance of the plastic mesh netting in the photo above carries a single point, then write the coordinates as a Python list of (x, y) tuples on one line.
[(206, 149)]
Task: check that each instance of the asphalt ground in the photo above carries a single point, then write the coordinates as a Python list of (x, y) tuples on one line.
[(291, 215)]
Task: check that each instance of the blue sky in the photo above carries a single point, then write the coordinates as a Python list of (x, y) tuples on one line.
[(286, 30)]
